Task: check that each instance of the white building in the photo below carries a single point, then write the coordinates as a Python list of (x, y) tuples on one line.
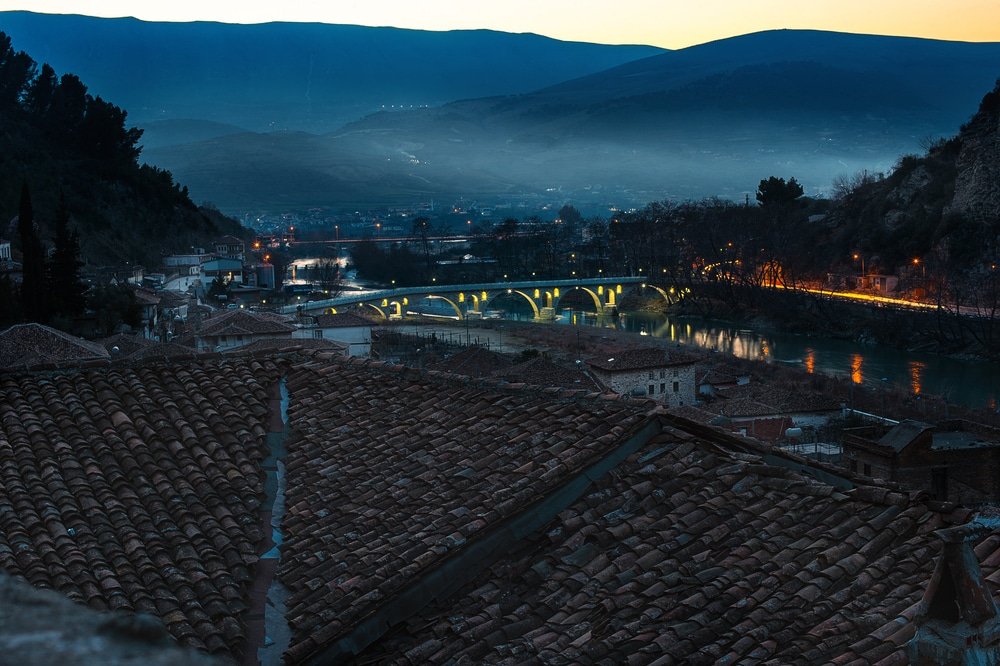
[(349, 329), (236, 328), (651, 372)]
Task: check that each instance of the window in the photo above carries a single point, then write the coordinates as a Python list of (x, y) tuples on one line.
[(854, 465), (677, 387), (652, 389), (663, 373), (675, 372), (868, 470), (650, 375), (663, 387), (318, 333)]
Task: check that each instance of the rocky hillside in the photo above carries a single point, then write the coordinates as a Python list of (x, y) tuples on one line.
[(942, 207)]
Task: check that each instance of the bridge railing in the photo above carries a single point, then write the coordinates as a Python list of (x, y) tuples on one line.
[(390, 294)]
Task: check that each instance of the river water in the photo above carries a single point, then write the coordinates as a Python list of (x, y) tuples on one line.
[(965, 382)]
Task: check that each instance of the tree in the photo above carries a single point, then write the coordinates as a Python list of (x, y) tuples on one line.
[(113, 306), (16, 71), (39, 96), (218, 290), (65, 286), (34, 301), (776, 192), (570, 215), (422, 230)]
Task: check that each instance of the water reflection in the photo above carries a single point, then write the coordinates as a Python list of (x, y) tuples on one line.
[(916, 367), (966, 382), (857, 361)]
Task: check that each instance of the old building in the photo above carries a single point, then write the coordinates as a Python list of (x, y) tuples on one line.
[(346, 328), (235, 328), (666, 376), (953, 460)]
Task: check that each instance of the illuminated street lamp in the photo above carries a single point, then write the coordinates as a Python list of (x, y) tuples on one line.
[(923, 268)]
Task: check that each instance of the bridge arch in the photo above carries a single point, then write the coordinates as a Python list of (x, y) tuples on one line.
[(531, 301), (453, 304), (593, 294), (670, 297), (376, 308)]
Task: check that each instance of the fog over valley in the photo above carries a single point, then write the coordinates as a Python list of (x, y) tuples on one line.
[(285, 116)]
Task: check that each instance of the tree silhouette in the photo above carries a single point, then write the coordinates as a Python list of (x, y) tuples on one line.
[(34, 301), (776, 192), (66, 288)]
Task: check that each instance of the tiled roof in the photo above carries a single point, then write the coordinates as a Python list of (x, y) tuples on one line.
[(126, 343), (473, 362), (242, 322), (33, 345), (342, 320), (137, 489), (759, 399), (543, 372), (691, 555), (902, 434), (163, 351), (639, 359), (288, 344), (389, 471), (146, 296)]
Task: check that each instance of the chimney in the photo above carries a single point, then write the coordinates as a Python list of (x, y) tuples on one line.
[(958, 622)]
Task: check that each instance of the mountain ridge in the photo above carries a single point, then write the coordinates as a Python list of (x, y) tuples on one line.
[(308, 76)]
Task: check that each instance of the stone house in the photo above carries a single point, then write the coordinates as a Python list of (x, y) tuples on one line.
[(953, 460), (661, 375)]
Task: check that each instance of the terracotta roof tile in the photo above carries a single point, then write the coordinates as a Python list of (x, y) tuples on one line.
[(698, 580), (639, 359), (396, 471), (136, 489), (34, 345)]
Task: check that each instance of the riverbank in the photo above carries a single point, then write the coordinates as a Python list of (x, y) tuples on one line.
[(937, 331)]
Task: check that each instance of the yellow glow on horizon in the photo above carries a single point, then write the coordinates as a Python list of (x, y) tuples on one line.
[(666, 23)]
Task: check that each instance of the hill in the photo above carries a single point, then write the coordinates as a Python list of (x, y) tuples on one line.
[(707, 120), (65, 142), (942, 207), (297, 76)]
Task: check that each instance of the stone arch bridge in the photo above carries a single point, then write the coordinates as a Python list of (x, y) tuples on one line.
[(471, 300)]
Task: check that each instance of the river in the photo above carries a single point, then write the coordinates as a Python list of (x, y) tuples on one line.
[(965, 382)]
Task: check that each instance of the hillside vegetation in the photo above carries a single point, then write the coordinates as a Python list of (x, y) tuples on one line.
[(942, 207), (66, 143)]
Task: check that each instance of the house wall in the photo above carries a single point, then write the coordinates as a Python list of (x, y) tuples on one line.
[(358, 338), (660, 379), (967, 475), (219, 343)]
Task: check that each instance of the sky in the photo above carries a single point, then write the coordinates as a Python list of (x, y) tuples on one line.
[(665, 23)]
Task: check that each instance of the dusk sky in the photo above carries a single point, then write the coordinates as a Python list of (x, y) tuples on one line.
[(666, 23)]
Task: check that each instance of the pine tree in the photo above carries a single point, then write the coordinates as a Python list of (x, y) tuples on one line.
[(66, 288), (34, 297)]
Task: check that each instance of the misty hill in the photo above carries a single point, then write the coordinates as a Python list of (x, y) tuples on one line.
[(296, 76), (707, 120), (64, 141), (942, 207)]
